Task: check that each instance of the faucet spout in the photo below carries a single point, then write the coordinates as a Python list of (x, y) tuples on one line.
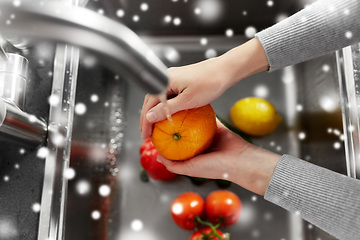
[(114, 45)]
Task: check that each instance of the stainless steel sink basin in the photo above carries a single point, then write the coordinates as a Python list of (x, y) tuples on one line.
[(106, 140)]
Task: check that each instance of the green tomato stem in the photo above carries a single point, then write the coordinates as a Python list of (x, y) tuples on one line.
[(213, 228)]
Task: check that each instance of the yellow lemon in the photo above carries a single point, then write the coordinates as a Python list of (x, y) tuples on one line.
[(255, 116)]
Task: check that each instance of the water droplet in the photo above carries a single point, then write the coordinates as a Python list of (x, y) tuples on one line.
[(137, 225), (95, 215), (229, 32), (144, 7), (104, 190), (210, 53), (80, 108), (250, 32), (177, 21), (120, 13)]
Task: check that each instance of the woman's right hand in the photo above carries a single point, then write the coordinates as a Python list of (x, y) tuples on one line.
[(199, 84), (189, 87)]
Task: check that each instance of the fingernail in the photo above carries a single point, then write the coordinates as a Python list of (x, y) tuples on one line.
[(158, 159), (151, 116)]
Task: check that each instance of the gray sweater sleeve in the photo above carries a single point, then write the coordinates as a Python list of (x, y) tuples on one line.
[(328, 200), (323, 27)]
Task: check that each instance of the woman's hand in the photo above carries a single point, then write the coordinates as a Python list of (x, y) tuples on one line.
[(199, 84), (190, 86), (230, 158)]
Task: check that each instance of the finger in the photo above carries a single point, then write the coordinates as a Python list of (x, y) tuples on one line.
[(146, 99), (178, 167), (192, 167), (176, 104), (146, 125)]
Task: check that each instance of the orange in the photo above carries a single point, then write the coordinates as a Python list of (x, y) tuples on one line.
[(191, 133)]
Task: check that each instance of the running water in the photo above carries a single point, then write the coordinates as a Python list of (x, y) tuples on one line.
[(163, 100)]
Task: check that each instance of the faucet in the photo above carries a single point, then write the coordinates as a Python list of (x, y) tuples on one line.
[(115, 45), (112, 43)]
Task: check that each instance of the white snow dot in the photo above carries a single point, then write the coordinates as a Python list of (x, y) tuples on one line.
[(261, 91), (342, 137), (12, 16), (136, 18), (225, 175), (104, 190), (255, 233), (120, 13), (80, 109), (281, 17), (106, 104), (54, 100), (250, 32), (272, 143), (69, 173), (302, 136), (167, 18), (32, 118), (270, 3), (346, 11), (337, 132), (17, 3), (58, 139), (299, 107), (329, 130), (101, 11), (351, 128), (203, 41), (95, 215), (310, 226), (210, 53), (326, 68), (278, 148), (22, 151), (36, 207), (94, 98), (177, 208), (17, 166), (348, 34), (328, 104), (137, 225), (297, 213), (83, 187), (144, 7), (254, 198), (244, 13), (337, 145), (177, 21), (197, 11), (6, 178), (268, 216), (43, 152), (171, 54), (229, 32)]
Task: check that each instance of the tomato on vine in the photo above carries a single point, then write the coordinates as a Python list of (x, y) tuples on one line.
[(185, 208), (223, 206), (206, 233)]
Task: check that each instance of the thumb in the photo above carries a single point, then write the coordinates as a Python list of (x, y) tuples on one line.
[(174, 105)]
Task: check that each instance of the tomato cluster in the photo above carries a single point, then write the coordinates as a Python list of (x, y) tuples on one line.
[(220, 207), (148, 161)]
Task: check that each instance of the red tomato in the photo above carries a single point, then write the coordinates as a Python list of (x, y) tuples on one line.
[(205, 231), (146, 145), (224, 206), (185, 208), (156, 170)]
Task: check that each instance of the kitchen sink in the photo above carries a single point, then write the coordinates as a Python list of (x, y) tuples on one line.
[(106, 140)]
